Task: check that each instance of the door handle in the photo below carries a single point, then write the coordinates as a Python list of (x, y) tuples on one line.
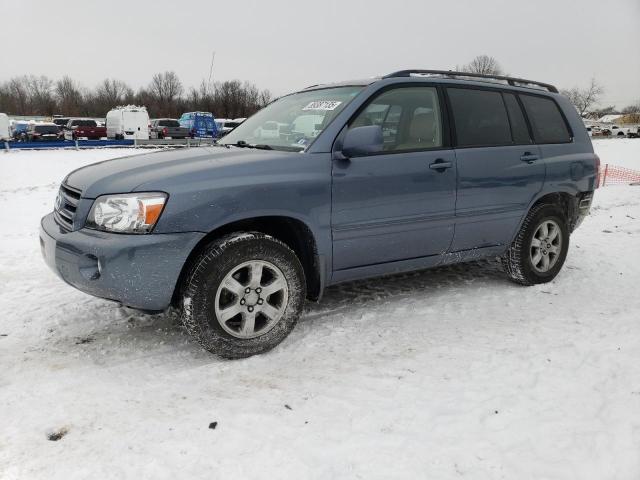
[(440, 165), (529, 157)]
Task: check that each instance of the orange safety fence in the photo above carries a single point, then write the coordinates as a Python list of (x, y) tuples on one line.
[(614, 175)]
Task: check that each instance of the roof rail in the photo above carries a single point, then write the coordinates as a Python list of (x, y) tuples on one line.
[(516, 82)]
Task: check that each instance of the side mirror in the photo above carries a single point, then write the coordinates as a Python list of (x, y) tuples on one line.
[(362, 141)]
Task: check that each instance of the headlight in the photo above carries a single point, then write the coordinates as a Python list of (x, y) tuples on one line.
[(126, 213)]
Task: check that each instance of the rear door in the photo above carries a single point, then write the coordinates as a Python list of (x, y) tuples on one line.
[(396, 204), (552, 133), (500, 170)]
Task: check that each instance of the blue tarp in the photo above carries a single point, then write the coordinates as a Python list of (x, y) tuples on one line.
[(70, 144)]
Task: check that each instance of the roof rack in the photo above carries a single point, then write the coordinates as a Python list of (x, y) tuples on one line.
[(515, 82)]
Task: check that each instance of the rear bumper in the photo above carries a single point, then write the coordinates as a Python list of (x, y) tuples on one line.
[(583, 208), (139, 271)]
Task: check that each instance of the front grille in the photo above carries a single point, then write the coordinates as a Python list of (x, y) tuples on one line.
[(66, 206)]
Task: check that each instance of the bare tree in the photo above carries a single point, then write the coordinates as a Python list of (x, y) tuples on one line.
[(110, 93), (165, 96), (584, 98), (265, 98), (17, 89), (631, 108), (69, 96), (632, 113), (41, 95), (483, 64), (164, 90), (114, 92)]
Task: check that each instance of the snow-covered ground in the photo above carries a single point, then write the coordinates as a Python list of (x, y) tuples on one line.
[(449, 373)]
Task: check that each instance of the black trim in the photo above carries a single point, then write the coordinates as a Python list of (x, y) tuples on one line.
[(526, 120)]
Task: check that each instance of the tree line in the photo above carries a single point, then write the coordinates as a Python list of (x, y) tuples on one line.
[(164, 96)]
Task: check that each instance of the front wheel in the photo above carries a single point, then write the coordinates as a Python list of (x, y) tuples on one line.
[(243, 295), (539, 250)]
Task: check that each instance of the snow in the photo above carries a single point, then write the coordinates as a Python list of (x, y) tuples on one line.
[(623, 152), (449, 373)]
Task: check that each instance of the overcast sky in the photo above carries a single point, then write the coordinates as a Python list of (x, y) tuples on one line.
[(285, 45)]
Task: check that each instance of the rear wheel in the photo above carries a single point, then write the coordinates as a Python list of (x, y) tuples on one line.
[(243, 295), (539, 250)]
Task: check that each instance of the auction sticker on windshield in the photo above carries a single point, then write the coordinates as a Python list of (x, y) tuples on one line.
[(322, 105)]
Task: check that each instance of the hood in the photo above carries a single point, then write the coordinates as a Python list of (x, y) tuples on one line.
[(162, 170)]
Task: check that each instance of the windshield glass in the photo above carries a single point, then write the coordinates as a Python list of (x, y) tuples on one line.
[(294, 121)]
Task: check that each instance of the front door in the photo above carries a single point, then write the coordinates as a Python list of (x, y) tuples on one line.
[(396, 204)]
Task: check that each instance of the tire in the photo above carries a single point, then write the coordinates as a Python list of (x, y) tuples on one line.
[(206, 299), (524, 261)]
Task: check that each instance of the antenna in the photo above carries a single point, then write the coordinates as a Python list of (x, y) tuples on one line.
[(210, 84)]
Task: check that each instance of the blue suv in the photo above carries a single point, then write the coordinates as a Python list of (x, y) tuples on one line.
[(333, 183)]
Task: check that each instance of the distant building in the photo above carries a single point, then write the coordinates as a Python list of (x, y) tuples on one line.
[(610, 118)]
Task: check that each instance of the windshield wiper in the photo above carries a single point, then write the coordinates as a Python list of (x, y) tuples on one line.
[(243, 144)]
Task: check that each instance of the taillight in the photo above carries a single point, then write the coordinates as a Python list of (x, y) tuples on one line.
[(597, 171)]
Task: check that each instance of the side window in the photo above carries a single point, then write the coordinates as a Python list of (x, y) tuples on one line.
[(519, 130), (409, 117), (546, 120), (480, 117)]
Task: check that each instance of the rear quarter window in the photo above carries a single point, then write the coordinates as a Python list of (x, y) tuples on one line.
[(546, 120), (480, 117)]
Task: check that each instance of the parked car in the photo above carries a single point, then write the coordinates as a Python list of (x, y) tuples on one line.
[(19, 130), (618, 131), (199, 124), (83, 128), (239, 235), (5, 132), (43, 132), (128, 123), (61, 121), (226, 125), (167, 128), (634, 132)]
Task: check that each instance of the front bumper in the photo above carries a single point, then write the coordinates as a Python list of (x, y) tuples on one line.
[(139, 271)]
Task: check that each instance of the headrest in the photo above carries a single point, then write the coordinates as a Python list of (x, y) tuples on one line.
[(422, 126)]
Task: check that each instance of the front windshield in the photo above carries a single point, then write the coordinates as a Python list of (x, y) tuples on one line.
[(294, 121)]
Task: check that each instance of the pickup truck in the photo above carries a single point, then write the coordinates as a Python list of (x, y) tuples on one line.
[(167, 128), (84, 128)]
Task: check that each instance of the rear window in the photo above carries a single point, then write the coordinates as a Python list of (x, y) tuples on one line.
[(46, 129), (547, 122), (519, 129), (480, 117), (169, 123), (84, 123)]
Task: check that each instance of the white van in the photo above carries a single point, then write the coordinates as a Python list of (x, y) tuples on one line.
[(128, 123), (5, 132)]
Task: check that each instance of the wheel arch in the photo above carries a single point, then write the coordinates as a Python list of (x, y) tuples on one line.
[(567, 199), (293, 232)]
